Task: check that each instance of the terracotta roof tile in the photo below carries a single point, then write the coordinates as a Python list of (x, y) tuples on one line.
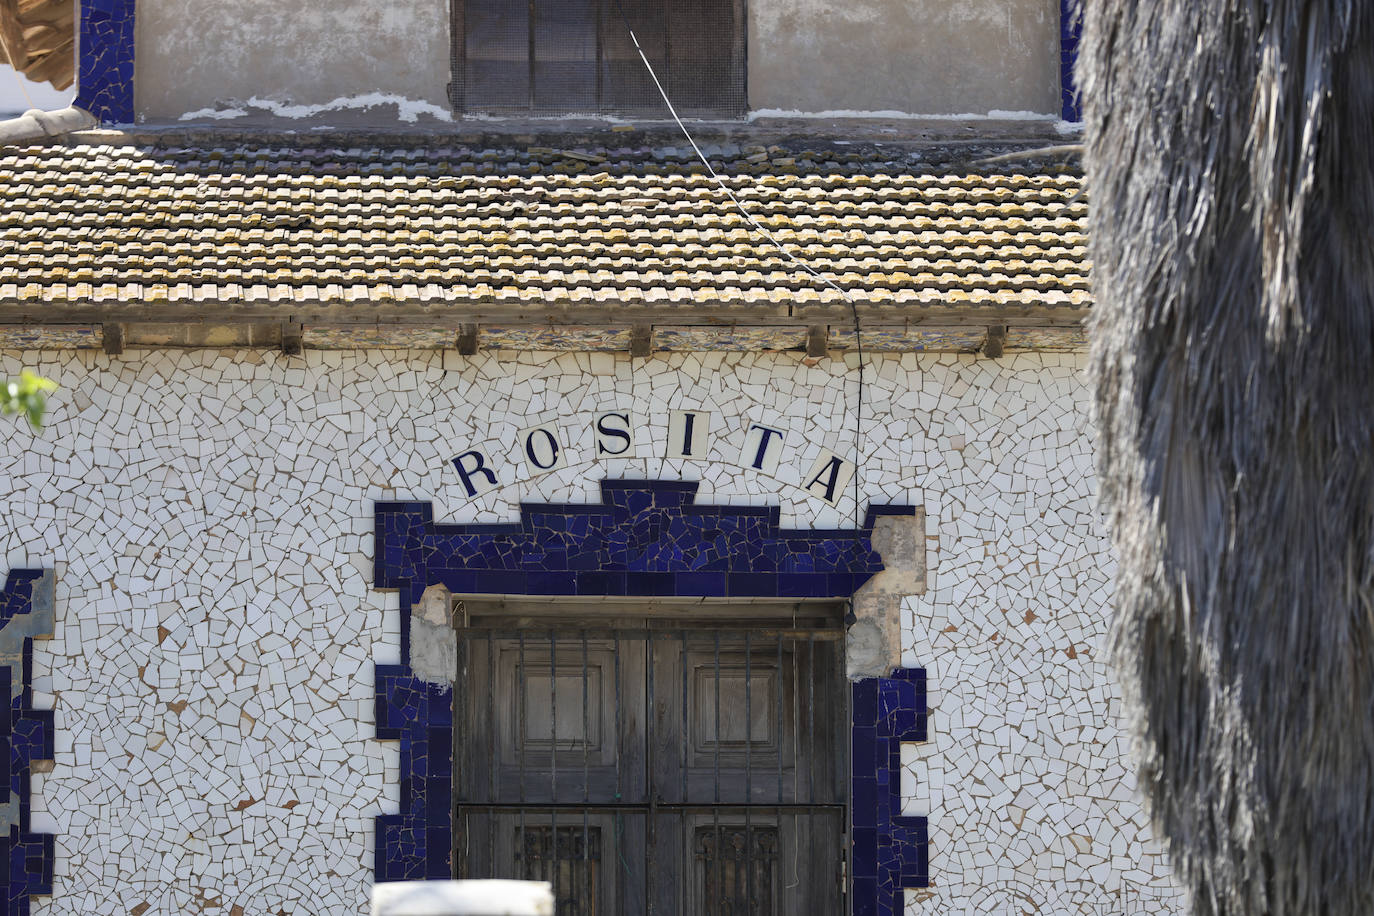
[(300, 225)]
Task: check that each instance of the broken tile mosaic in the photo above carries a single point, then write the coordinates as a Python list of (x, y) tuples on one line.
[(234, 651), (889, 851), (105, 85), (26, 736), (647, 538), (1070, 32), (416, 843)]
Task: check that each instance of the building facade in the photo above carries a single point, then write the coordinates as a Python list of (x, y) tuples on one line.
[(454, 474)]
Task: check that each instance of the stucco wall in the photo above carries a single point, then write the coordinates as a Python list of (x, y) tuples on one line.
[(372, 61), (295, 58), (914, 56), (209, 514)]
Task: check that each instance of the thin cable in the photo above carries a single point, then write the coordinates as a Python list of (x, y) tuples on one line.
[(762, 230)]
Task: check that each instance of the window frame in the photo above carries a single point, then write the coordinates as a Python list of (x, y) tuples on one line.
[(729, 109)]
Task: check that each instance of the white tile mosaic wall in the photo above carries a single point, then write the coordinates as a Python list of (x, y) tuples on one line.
[(209, 514)]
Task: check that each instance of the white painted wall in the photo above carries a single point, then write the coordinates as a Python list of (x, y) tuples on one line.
[(209, 514), (931, 57), (344, 61), (350, 62)]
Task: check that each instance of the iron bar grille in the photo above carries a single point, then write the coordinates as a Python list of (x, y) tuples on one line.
[(677, 771), (554, 57)]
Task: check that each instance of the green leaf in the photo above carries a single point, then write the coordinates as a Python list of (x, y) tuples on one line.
[(35, 383), (27, 395)]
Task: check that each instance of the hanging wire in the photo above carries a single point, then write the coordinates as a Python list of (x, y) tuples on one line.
[(773, 240)]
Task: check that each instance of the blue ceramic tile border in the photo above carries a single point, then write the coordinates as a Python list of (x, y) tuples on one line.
[(889, 852), (26, 735), (105, 71), (1070, 30), (646, 538), (415, 844)]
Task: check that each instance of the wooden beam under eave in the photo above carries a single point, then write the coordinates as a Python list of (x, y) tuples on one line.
[(641, 341), (292, 338), (112, 338), (468, 339), (817, 341), (688, 336), (454, 315), (996, 341)]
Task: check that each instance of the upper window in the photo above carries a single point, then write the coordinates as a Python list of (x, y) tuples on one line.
[(547, 57)]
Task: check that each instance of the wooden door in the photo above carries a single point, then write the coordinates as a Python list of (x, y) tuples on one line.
[(681, 772)]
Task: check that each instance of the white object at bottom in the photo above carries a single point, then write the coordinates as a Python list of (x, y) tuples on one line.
[(462, 898)]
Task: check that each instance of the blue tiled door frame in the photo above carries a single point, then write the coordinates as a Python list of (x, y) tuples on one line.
[(27, 735), (1070, 31), (105, 69), (888, 852), (646, 539)]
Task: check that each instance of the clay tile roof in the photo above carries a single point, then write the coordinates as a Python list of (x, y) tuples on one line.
[(452, 226), (37, 37)]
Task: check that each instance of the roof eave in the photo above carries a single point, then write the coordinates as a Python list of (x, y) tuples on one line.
[(454, 314)]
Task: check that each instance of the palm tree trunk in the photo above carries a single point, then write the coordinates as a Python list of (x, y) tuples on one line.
[(1228, 156)]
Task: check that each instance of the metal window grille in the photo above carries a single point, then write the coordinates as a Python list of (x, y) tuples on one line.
[(570, 860), (738, 870), (654, 767), (548, 57)]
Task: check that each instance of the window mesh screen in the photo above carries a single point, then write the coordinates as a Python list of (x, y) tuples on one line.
[(544, 57)]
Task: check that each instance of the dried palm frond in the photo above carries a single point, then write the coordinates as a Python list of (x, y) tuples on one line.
[(38, 38), (1227, 147)]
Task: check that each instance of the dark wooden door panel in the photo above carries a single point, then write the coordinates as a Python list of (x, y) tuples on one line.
[(553, 720), (582, 856), (766, 864), (747, 721), (676, 772)]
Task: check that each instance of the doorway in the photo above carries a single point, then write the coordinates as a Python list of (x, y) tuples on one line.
[(646, 762)]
